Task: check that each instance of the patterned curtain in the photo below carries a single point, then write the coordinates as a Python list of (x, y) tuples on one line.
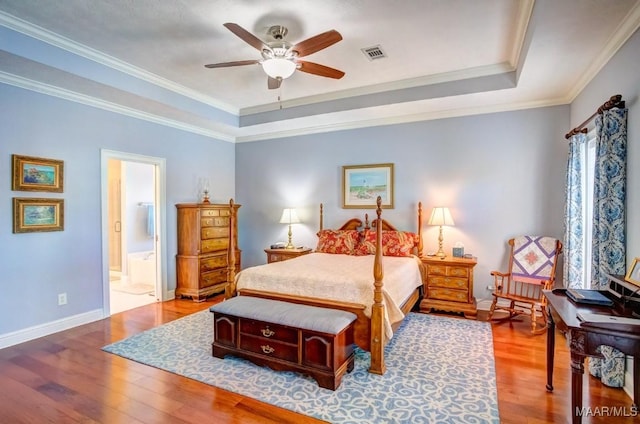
[(573, 271), (609, 238)]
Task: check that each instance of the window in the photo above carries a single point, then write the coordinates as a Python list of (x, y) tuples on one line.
[(588, 170)]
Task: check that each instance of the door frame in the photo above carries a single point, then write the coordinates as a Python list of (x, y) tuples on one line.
[(161, 223)]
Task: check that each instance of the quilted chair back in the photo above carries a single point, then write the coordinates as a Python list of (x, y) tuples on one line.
[(534, 259)]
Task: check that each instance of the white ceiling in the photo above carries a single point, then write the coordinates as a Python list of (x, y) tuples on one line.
[(445, 58)]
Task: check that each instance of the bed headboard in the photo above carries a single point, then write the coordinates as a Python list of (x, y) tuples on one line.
[(357, 224)]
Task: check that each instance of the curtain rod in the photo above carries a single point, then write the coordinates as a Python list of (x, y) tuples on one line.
[(614, 101)]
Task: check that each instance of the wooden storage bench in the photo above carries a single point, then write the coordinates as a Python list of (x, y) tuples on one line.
[(286, 336)]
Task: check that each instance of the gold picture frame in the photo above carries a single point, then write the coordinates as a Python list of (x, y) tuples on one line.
[(633, 275), (32, 215), (362, 184), (37, 174)]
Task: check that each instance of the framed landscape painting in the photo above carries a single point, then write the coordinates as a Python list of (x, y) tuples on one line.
[(362, 184), (37, 174), (37, 215)]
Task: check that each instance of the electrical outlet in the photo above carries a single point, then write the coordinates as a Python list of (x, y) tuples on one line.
[(490, 287), (62, 299)]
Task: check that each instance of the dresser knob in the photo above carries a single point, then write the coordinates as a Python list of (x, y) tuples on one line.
[(267, 332), (267, 349)]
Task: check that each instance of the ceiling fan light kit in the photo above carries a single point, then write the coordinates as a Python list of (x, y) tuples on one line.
[(279, 68), (280, 58)]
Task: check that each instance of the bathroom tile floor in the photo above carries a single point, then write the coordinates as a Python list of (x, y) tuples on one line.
[(123, 299)]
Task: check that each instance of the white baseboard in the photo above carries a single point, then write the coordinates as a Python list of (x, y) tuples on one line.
[(21, 336), (484, 305)]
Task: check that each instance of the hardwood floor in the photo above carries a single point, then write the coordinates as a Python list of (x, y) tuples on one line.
[(66, 378)]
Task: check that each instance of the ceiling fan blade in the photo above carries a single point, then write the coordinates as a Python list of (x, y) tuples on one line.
[(317, 43), (317, 69), (246, 36), (274, 83), (236, 63)]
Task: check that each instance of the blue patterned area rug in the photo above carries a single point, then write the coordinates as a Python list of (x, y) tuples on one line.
[(439, 370)]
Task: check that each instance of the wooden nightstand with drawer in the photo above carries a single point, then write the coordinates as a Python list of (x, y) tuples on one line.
[(448, 285), (277, 255)]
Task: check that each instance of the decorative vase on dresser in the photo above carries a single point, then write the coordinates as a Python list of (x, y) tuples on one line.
[(448, 285), (203, 241)]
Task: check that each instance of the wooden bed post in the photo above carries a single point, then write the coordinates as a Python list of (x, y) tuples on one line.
[(230, 290), (420, 229), (377, 309)]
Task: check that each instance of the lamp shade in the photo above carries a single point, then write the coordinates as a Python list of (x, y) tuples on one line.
[(440, 216), (289, 216), (279, 68)]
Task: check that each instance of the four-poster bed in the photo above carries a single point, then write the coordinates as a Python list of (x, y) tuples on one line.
[(346, 273)]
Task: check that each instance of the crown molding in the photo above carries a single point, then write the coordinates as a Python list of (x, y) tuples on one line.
[(49, 37), (403, 119), (76, 97)]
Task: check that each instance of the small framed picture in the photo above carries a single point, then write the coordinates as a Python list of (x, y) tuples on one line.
[(37, 215), (633, 275), (362, 184), (37, 174)]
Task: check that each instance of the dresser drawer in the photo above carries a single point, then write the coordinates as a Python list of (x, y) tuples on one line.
[(277, 257), (448, 270), (212, 245), (214, 232), (447, 294), (214, 222), (448, 282), (437, 270), (208, 279), (269, 347), (214, 212), (269, 331), (213, 262)]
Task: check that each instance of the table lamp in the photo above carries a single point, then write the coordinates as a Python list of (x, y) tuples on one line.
[(289, 216), (440, 216)]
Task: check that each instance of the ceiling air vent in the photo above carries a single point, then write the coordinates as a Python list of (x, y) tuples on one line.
[(374, 52)]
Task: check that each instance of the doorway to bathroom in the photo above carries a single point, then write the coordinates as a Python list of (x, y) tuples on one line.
[(131, 214)]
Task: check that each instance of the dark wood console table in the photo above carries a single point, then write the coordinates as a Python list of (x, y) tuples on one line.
[(584, 339)]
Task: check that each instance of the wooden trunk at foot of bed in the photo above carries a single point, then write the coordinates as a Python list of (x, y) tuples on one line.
[(369, 333)]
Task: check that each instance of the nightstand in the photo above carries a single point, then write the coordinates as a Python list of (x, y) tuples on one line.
[(448, 285), (277, 255)]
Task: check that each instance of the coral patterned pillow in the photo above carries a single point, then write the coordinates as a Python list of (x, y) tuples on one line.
[(337, 241), (394, 243)]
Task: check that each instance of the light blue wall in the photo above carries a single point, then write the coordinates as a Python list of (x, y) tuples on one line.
[(500, 174), (35, 267)]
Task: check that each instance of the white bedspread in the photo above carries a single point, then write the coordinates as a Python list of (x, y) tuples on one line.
[(343, 278)]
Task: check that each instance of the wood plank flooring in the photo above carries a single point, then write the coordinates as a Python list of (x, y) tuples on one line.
[(66, 378)]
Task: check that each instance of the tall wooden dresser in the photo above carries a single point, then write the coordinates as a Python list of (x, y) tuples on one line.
[(203, 241)]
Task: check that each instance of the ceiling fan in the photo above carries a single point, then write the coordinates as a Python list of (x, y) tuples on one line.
[(280, 58)]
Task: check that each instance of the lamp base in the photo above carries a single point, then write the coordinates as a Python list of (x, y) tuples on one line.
[(440, 253), (289, 244)]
